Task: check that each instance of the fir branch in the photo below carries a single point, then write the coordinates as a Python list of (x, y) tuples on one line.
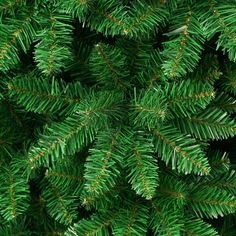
[(182, 151), (144, 16), (60, 203), (197, 227), (188, 97), (9, 5), (181, 53), (220, 18), (98, 224), (43, 96), (111, 15), (213, 123), (16, 33), (172, 192), (211, 202), (107, 64), (132, 220), (228, 82), (219, 161), (77, 8), (60, 135), (101, 167), (67, 137), (68, 177), (141, 165), (152, 74), (14, 193), (164, 221), (150, 108), (53, 50), (104, 200), (225, 102)]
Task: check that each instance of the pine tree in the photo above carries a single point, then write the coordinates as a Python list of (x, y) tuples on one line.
[(113, 114)]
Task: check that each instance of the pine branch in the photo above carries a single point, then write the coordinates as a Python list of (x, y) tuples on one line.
[(14, 193), (67, 137), (196, 226), (212, 123), (150, 108), (219, 161), (219, 18), (60, 204), (225, 102), (141, 165), (211, 202), (105, 200), (16, 33), (172, 192), (53, 50), (152, 74), (108, 65), (188, 97), (101, 169), (228, 82), (225, 181), (77, 8), (41, 95), (111, 15), (164, 221), (131, 221), (182, 151), (97, 225), (67, 174), (10, 5), (144, 15), (182, 52), (137, 54)]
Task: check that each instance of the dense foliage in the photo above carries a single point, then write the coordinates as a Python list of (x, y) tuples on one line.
[(113, 114)]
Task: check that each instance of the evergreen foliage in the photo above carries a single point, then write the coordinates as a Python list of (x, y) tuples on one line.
[(113, 114)]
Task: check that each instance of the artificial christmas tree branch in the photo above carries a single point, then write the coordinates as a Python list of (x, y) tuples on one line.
[(113, 115)]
